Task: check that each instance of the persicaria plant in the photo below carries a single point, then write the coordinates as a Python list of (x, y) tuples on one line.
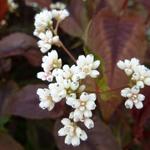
[(75, 74)]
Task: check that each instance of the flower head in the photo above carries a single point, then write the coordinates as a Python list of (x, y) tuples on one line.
[(87, 66), (46, 41), (134, 97), (72, 132), (128, 65), (46, 100), (60, 15), (141, 75), (83, 106), (43, 21), (49, 62)]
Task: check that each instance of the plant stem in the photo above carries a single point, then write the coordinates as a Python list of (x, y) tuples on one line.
[(67, 51), (56, 27)]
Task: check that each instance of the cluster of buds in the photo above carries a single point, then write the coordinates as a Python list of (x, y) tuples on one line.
[(140, 76), (46, 25), (65, 82)]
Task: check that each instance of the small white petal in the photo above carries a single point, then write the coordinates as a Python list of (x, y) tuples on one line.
[(94, 73), (89, 123), (90, 105), (147, 81), (65, 121), (68, 140), (75, 141), (62, 132), (83, 136), (139, 105), (121, 65), (87, 113), (129, 104), (141, 97)]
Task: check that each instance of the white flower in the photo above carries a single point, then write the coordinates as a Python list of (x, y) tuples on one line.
[(89, 123), (68, 73), (128, 65), (58, 92), (45, 76), (83, 106), (49, 63), (58, 5), (46, 41), (88, 66), (46, 99), (12, 5), (60, 15), (72, 132), (134, 98), (141, 75), (43, 21)]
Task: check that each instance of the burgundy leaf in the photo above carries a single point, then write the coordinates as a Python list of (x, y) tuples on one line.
[(99, 138), (20, 44), (142, 116), (16, 44), (8, 143), (34, 57), (77, 21), (5, 65), (25, 103), (114, 38), (7, 89), (116, 5)]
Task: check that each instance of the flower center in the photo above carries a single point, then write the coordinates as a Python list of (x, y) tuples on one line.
[(86, 69), (142, 78), (134, 97)]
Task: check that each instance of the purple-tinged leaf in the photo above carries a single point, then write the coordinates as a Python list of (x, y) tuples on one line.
[(25, 103)]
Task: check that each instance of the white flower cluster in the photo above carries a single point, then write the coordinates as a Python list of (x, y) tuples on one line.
[(12, 5), (44, 27), (65, 81), (67, 85), (138, 74)]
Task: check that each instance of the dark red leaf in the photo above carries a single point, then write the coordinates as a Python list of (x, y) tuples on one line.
[(5, 65), (20, 44), (77, 21), (99, 138), (34, 57), (8, 143), (3, 9), (7, 89), (15, 44), (142, 116), (25, 103), (114, 38), (116, 5)]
